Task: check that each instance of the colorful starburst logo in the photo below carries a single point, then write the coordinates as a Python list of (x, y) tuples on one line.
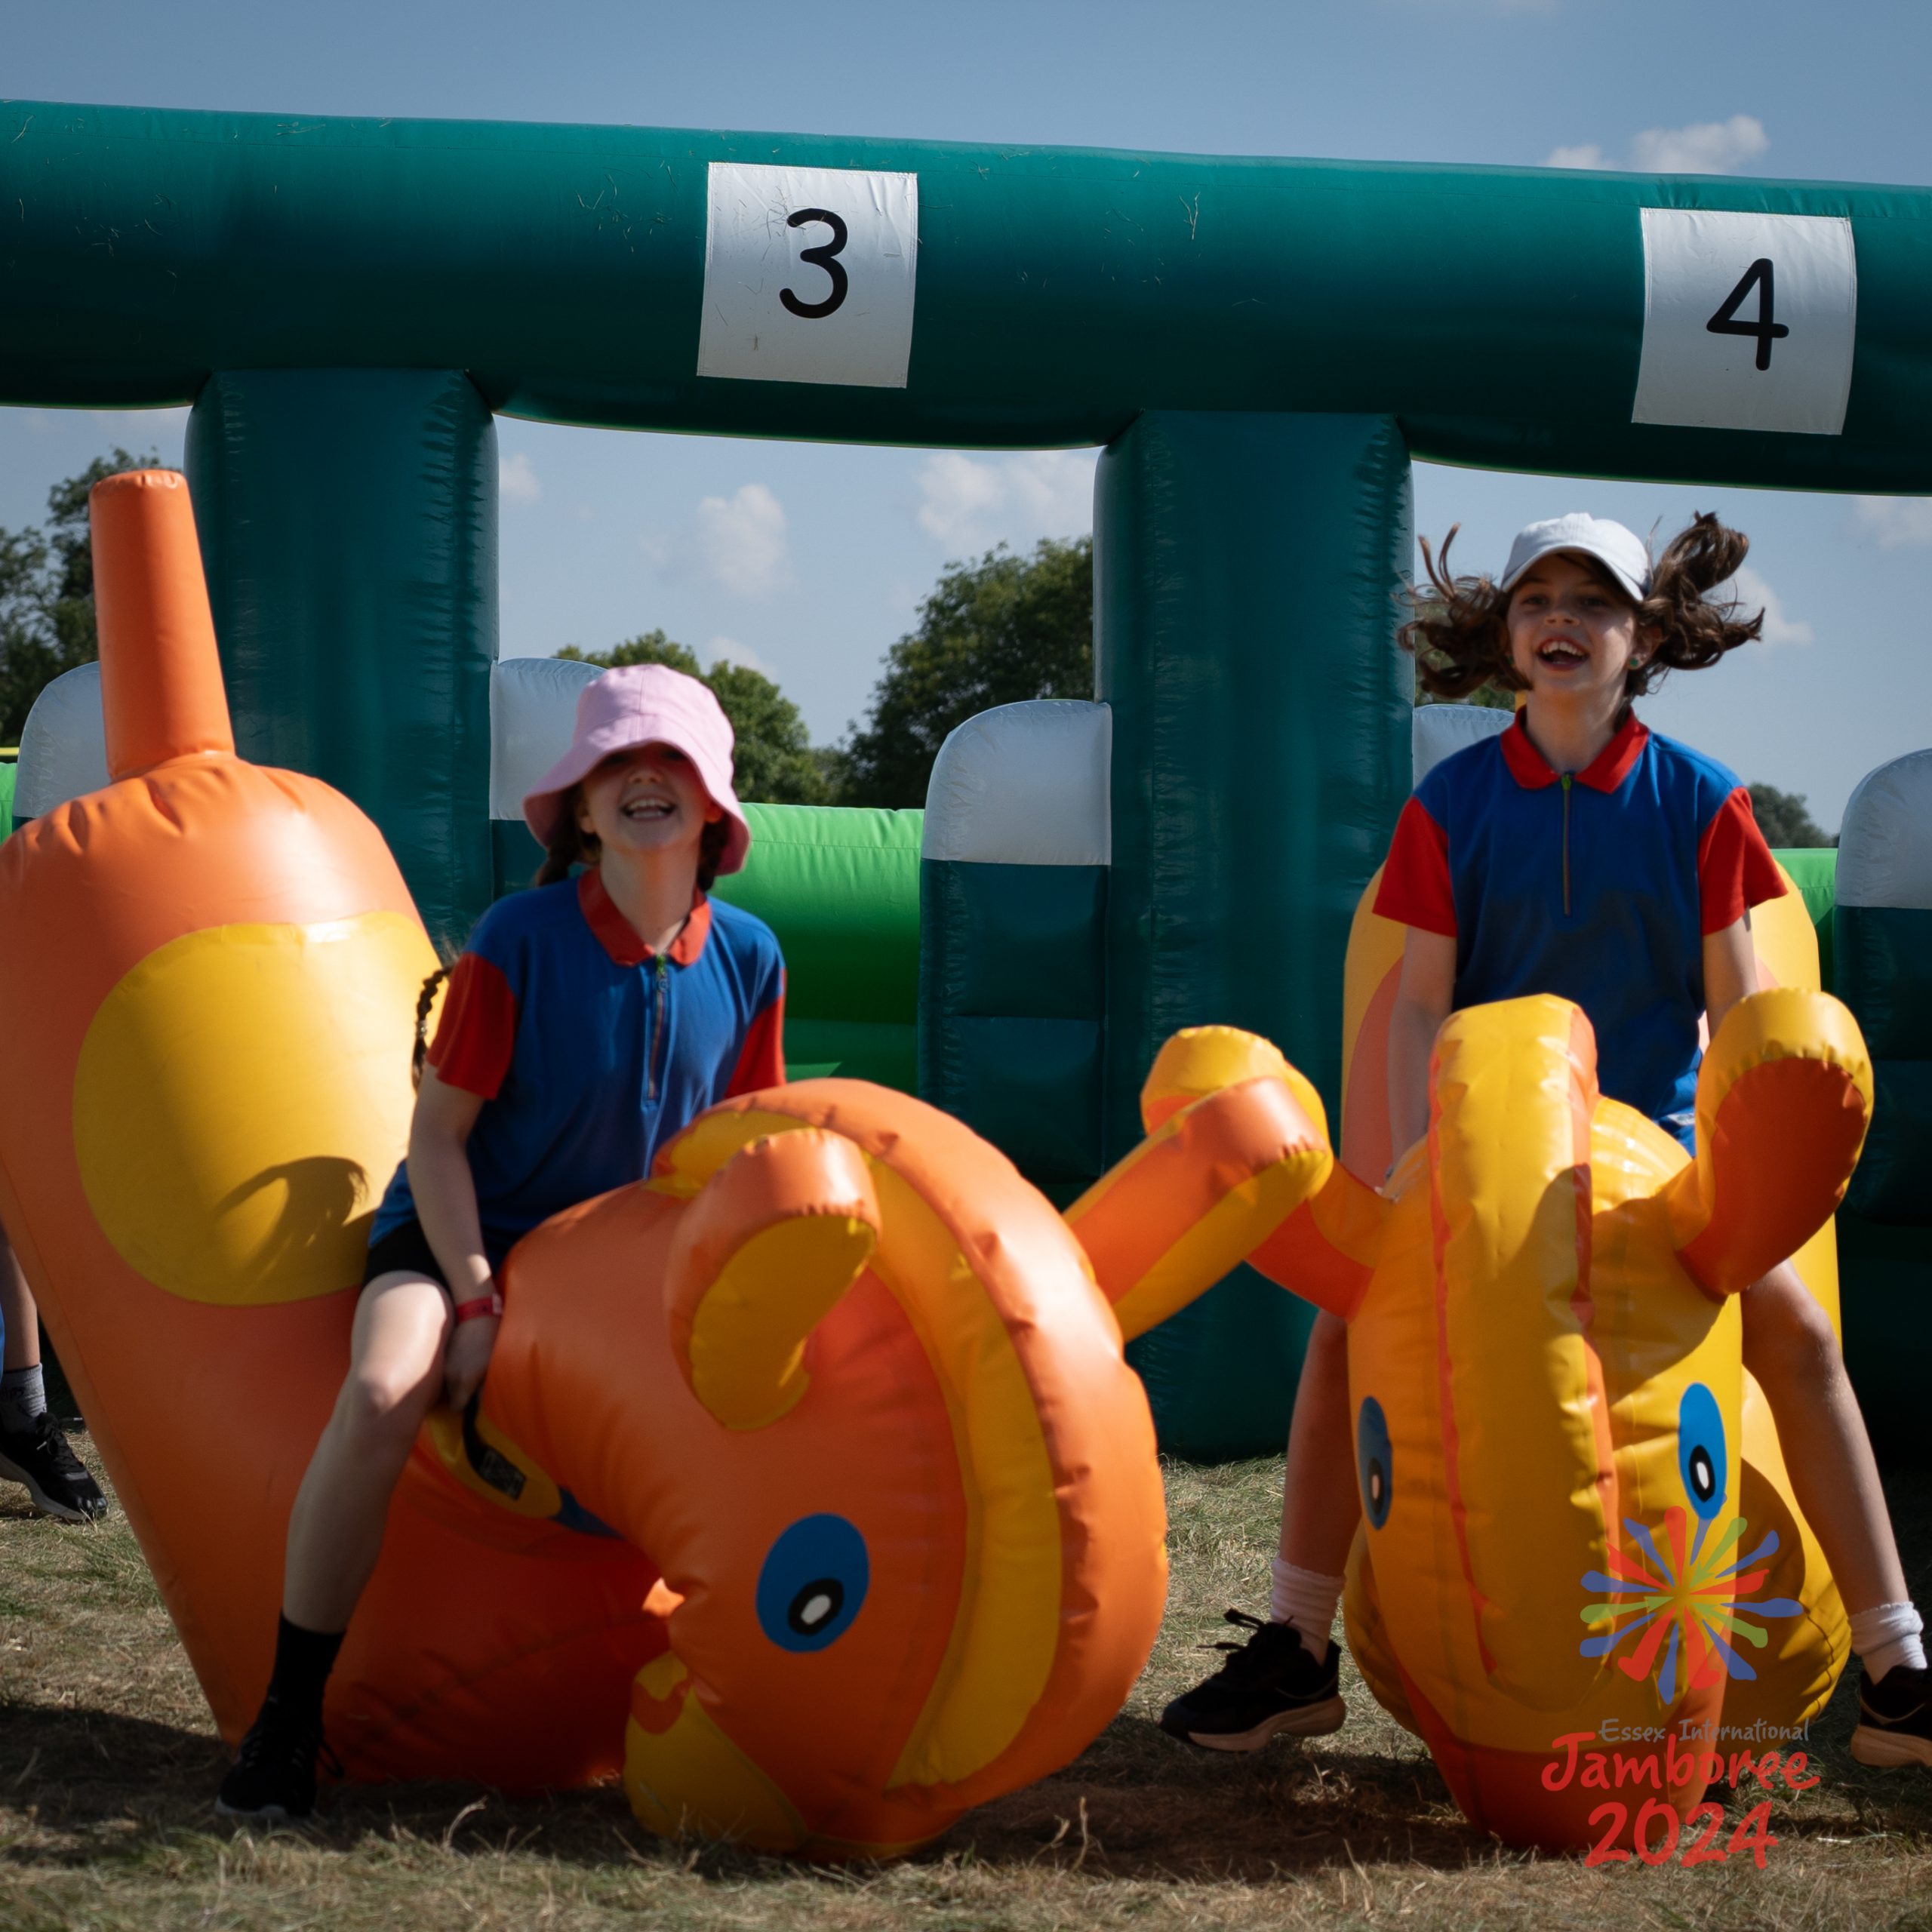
[(1689, 1607)]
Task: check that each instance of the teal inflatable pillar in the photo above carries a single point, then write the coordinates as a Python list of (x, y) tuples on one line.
[(348, 521), (1247, 570)]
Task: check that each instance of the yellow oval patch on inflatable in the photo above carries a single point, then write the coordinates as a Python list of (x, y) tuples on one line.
[(242, 1099)]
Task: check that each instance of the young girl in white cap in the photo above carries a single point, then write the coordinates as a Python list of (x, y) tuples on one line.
[(1576, 854), (588, 1021)]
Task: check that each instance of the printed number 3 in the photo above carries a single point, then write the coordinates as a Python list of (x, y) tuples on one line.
[(825, 257), (1725, 322)]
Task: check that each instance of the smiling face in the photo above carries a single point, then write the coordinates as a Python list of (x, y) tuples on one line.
[(649, 800), (1572, 637)]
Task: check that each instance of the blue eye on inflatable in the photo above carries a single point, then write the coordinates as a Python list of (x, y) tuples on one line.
[(1701, 1451), (813, 1583), (1375, 1461)]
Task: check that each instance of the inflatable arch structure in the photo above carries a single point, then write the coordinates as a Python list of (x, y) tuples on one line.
[(347, 304)]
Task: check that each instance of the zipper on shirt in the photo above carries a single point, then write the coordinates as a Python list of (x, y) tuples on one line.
[(659, 975), (1565, 779)]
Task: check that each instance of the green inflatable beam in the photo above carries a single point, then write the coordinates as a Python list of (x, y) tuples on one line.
[(1505, 316)]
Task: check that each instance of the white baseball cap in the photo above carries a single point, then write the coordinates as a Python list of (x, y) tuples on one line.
[(1621, 551)]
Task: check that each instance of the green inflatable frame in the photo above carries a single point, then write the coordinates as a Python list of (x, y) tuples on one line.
[(1261, 346)]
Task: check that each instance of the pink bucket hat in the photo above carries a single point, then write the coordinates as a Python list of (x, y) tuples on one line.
[(646, 704)]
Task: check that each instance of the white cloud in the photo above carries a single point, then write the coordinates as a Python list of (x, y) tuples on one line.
[(1751, 591), (738, 543), (729, 651), (516, 481), (972, 503), (1896, 523), (1703, 147)]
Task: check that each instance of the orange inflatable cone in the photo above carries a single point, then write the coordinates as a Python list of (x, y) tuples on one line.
[(208, 980)]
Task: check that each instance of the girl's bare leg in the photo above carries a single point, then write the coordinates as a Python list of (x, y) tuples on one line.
[(1320, 1505), (395, 1373), (1788, 1346)]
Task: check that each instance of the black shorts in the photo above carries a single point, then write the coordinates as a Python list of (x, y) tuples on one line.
[(406, 1247)]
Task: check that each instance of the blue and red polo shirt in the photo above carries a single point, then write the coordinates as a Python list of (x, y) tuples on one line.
[(1597, 887), (589, 1051)]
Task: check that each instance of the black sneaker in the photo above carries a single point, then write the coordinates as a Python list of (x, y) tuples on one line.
[(1269, 1686), (43, 1459), (1894, 1719), (273, 1775)]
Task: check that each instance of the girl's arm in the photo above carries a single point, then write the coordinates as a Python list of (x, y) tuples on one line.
[(445, 1192), (1423, 998), (1730, 970)]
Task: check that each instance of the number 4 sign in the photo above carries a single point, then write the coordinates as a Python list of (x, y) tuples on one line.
[(808, 275), (1749, 321)]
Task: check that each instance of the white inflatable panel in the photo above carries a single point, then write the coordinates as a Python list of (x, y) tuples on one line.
[(63, 744), (1024, 785), (532, 712), (1885, 845), (1440, 730)]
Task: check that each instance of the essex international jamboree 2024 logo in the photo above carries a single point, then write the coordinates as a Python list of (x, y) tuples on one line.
[(1695, 1601), (1688, 1611)]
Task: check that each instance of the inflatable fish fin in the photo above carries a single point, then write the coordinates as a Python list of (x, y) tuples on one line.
[(1237, 1142), (1784, 1097), (1326, 1251), (770, 1242)]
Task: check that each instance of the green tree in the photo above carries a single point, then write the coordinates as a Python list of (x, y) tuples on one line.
[(775, 762), (999, 632), (1784, 818), (46, 593)]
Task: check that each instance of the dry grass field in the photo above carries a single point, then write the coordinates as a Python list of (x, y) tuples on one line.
[(108, 1763)]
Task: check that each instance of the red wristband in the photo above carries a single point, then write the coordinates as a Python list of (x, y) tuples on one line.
[(489, 1304)]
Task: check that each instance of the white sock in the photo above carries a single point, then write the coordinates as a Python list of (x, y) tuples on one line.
[(1886, 1636), (22, 1399), (1307, 1599)]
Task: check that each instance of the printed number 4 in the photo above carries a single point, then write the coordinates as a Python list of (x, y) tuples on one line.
[(824, 255), (1725, 322)]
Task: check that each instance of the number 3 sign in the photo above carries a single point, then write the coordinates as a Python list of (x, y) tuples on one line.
[(1749, 321), (808, 275)]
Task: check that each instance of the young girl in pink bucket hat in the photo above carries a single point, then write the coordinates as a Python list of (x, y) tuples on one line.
[(588, 1020)]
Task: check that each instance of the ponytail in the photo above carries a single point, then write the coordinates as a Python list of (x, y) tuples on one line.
[(425, 1000)]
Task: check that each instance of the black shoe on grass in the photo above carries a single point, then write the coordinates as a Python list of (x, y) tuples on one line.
[(273, 1776), (1269, 1686), (42, 1459), (1894, 1719)]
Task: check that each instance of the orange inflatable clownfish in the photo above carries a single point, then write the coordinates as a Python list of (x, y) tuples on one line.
[(836, 1367)]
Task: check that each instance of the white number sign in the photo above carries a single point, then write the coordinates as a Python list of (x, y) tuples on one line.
[(808, 275), (1749, 321)]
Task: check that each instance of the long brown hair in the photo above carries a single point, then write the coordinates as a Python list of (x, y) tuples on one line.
[(571, 845), (1460, 641)]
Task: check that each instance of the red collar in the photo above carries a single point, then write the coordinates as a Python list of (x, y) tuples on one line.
[(1604, 773), (619, 938)]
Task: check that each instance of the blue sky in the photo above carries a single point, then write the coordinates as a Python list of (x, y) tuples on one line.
[(811, 560)]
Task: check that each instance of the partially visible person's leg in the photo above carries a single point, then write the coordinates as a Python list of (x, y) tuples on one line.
[(34, 1448), (1790, 1349), (1282, 1679), (335, 1534), (1320, 1504)]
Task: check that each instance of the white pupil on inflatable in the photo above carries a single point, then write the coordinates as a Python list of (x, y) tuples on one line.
[(1375, 1485), (815, 1610), (1701, 1477)]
